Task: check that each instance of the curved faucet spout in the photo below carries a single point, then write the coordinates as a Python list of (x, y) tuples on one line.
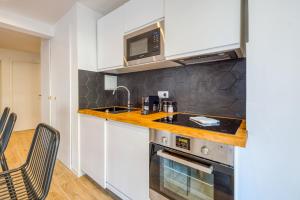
[(128, 101)]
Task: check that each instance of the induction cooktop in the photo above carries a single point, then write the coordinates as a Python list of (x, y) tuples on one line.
[(227, 126)]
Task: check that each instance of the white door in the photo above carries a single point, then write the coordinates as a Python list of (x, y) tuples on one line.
[(26, 98)]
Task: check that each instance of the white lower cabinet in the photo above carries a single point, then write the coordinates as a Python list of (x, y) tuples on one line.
[(128, 160), (92, 148)]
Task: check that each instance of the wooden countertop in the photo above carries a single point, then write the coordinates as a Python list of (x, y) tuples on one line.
[(239, 139)]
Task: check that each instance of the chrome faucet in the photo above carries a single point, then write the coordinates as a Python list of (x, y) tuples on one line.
[(128, 101)]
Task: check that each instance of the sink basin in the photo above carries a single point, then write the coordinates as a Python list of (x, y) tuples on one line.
[(114, 109)]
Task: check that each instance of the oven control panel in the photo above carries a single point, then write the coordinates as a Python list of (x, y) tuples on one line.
[(183, 142), (210, 150)]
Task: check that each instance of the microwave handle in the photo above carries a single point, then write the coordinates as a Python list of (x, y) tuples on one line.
[(197, 166)]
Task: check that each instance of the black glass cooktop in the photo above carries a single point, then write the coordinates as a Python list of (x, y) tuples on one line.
[(228, 126)]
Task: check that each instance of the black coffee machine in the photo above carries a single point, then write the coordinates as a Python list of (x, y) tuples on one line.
[(150, 104)]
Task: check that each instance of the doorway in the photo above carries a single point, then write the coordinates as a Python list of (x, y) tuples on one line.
[(20, 77), (43, 82)]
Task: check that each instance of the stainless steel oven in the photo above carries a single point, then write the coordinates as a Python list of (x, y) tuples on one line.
[(183, 168), (145, 45)]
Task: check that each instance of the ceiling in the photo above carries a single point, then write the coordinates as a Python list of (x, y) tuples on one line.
[(50, 11), (19, 41), (102, 6)]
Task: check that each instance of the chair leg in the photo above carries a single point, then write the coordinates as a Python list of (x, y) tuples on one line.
[(8, 179), (3, 163)]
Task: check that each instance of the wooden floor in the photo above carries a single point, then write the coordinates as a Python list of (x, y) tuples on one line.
[(65, 185)]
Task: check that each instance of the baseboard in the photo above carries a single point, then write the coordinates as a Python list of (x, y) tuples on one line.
[(119, 195)]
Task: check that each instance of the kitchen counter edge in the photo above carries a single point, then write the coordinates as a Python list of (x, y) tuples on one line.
[(135, 118)]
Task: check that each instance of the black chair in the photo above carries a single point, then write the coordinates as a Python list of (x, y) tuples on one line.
[(4, 118), (32, 180), (4, 139)]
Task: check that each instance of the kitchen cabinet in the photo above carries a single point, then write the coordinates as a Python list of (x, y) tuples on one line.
[(92, 148), (142, 12), (201, 26), (86, 38), (112, 27), (110, 39), (128, 160)]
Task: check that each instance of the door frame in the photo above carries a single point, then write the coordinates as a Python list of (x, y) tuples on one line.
[(47, 91), (45, 56)]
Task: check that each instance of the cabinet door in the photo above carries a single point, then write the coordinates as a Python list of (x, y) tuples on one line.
[(128, 160), (142, 12), (86, 38), (110, 39), (92, 148), (197, 27)]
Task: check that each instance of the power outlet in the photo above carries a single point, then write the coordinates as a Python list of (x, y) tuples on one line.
[(163, 94)]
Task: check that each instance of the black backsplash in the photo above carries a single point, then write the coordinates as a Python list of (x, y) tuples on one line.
[(217, 88), (91, 90)]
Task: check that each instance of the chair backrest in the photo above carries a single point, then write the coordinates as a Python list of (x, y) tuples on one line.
[(41, 158), (9, 127), (4, 118)]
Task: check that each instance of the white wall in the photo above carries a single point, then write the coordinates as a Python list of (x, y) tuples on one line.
[(19, 41), (25, 25), (269, 167)]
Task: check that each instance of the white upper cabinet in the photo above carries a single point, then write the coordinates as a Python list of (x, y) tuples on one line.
[(86, 38), (142, 12), (112, 27), (110, 39), (198, 27)]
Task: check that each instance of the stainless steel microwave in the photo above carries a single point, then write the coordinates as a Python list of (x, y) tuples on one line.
[(145, 45)]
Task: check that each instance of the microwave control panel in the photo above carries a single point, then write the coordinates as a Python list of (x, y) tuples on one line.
[(156, 40)]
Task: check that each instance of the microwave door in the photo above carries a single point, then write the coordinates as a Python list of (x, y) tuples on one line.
[(145, 45), (139, 48)]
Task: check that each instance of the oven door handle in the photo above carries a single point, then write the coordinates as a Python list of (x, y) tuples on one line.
[(194, 165)]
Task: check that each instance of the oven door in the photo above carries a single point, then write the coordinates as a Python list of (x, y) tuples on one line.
[(176, 175)]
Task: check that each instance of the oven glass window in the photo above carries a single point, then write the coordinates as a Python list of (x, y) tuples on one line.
[(185, 183), (138, 47)]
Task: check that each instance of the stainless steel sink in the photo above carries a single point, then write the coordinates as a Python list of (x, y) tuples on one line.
[(114, 109)]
